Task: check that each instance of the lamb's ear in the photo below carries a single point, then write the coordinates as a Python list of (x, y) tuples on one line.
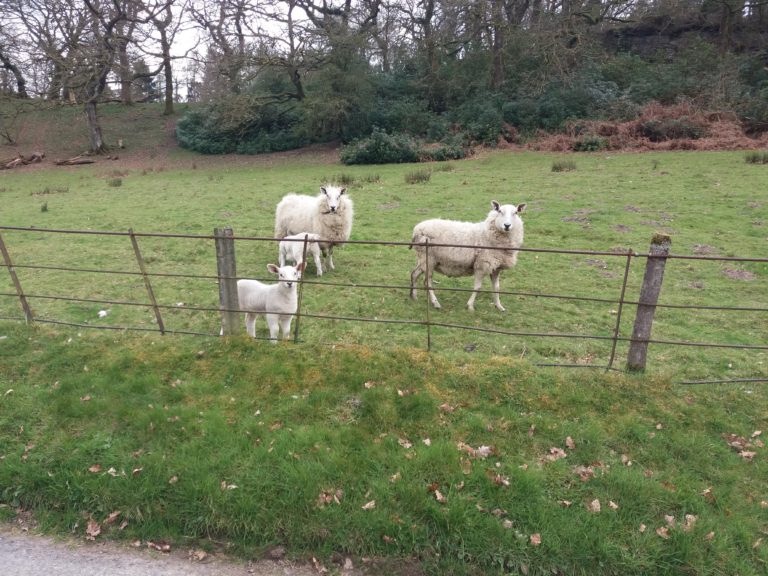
[(323, 190), (520, 207), (273, 268), (301, 267), (495, 205), (342, 191)]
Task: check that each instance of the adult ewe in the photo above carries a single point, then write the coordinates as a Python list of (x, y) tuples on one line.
[(503, 228), (329, 215), (278, 302)]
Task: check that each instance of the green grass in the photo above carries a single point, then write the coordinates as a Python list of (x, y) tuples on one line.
[(243, 444), (710, 203)]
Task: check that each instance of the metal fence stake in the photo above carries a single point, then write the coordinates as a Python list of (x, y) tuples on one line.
[(649, 296), (15, 279), (426, 285), (618, 312), (147, 283), (301, 291), (227, 273)]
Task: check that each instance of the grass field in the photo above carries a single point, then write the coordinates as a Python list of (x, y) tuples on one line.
[(711, 204), (358, 443)]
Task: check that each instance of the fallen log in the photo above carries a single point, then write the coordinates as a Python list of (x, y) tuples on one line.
[(75, 160)]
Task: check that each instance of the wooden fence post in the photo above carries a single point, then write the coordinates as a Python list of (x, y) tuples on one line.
[(16, 283), (227, 272), (649, 296)]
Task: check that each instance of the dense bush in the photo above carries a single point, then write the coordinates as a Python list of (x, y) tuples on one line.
[(381, 148), (590, 144)]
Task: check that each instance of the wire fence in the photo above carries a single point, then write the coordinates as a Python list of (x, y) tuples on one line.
[(645, 305)]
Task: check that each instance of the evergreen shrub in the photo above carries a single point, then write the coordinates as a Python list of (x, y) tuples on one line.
[(381, 148)]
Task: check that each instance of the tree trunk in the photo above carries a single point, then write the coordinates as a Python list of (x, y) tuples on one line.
[(94, 128), (21, 84), (124, 70), (497, 25), (168, 85)]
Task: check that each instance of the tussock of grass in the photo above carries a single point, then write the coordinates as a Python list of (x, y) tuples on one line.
[(418, 177), (757, 158), (256, 445), (563, 166)]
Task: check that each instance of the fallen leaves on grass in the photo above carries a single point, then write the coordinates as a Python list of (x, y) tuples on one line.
[(92, 530), (481, 452), (110, 519), (160, 546), (536, 539), (663, 532), (569, 443), (369, 505), (329, 497), (594, 506), (95, 469), (554, 454)]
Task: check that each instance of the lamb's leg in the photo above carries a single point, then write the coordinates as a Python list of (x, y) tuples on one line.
[(250, 324), (478, 284), (318, 263), (495, 281), (285, 325), (329, 259), (274, 327)]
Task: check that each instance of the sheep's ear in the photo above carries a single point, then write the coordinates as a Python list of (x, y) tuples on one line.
[(323, 190), (301, 267), (342, 191), (520, 207), (273, 268), (495, 205)]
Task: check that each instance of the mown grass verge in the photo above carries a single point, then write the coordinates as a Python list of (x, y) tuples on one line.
[(447, 465)]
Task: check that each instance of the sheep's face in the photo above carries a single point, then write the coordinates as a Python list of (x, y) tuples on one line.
[(332, 195), (287, 276), (506, 217)]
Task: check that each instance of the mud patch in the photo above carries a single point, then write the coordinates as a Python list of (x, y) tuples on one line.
[(704, 250), (622, 228), (744, 275)]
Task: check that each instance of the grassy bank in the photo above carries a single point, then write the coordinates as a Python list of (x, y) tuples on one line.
[(438, 464)]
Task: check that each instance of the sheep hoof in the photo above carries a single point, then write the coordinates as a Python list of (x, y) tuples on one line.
[(501, 308)]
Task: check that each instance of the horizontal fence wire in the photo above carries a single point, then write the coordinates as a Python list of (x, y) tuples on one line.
[(428, 322)]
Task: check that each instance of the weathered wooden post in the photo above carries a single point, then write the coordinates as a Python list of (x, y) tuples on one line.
[(16, 284), (227, 272), (649, 296)]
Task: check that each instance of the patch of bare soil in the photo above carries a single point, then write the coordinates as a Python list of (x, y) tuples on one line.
[(735, 274)]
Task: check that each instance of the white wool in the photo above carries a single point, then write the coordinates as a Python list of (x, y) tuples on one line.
[(292, 249), (502, 228), (329, 215), (278, 302)]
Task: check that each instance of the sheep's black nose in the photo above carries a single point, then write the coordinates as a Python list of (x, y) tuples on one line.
[(507, 226)]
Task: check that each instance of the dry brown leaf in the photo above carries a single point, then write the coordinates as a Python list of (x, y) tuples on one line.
[(395, 477), (531, 430), (160, 546), (756, 433), (508, 524), (369, 384), (625, 460), (594, 506), (536, 539), (123, 525), (447, 408), (763, 503), (642, 528), (612, 505), (569, 443), (663, 531), (136, 471), (112, 517), (318, 566), (690, 520), (747, 455), (440, 497), (388, 539), (709, 537), (173, 480), (369, 505), (565, 503), (757, 543), (198, 555), (585, 473), (670, 520), (92, 530), (404, 442), (95, 469), (555, 454)]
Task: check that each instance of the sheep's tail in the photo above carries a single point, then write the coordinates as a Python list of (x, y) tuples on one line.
[(418, 238)]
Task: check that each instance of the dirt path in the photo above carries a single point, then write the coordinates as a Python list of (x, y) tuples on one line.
[(26, 554)]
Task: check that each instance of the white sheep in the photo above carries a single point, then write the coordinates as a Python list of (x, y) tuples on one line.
[(503, 228), (292, 249), (329, 214), (278, 302)]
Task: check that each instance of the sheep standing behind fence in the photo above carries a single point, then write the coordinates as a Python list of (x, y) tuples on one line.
[(503, 227), (278, 302), (329, 215), (292, 249)]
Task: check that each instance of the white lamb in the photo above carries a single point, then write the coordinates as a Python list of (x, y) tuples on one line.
[(329, 215), (278, 302), (503, 228), (292, 249)]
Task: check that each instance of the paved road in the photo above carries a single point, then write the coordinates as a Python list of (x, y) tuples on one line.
[(26, 554)]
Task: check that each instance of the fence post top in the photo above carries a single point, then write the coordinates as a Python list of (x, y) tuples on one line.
[(661, 239)]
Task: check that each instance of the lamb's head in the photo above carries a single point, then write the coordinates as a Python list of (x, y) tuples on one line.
[(505, 218), (332, 196), (287, 276)]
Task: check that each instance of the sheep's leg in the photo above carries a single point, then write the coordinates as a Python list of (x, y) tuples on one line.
[(495, 281), (430, 290), (250, 324), (478, 284), (318, 263), (329, 259), (414, 278), (281, 259), (274, 327)]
